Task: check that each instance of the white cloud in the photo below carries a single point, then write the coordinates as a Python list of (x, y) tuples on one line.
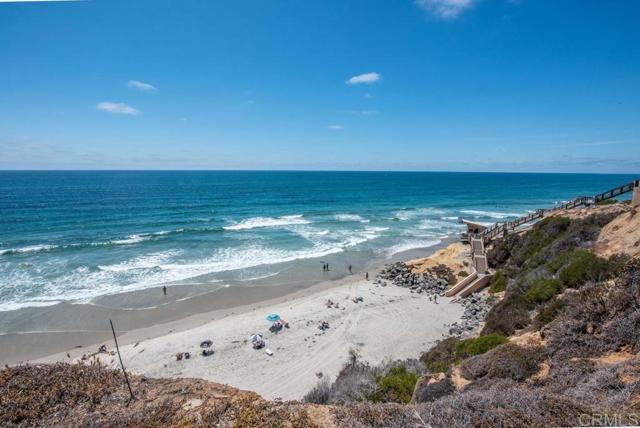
[(446, 9), (367, 78), (117, 108), (141, 86), (335, 127)]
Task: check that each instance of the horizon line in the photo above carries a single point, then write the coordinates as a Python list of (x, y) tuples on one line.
[(318, 170)]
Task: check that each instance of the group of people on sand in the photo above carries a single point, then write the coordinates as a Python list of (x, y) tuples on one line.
[(325, 268)]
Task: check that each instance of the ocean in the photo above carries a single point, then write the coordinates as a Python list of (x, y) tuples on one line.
[(74, 236)]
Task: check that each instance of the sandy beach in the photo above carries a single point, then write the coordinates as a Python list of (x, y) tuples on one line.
[(389, 323), (36, 332)]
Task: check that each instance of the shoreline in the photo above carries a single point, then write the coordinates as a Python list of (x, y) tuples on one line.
[(79, 327), (389, 323)]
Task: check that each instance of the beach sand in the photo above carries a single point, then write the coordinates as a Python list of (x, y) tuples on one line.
[(31, 333), (391, 323)]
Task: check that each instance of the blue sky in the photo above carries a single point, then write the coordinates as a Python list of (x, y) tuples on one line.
[(461, 85)]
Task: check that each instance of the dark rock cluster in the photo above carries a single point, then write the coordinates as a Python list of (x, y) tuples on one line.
[(435, 282), (476, 308)]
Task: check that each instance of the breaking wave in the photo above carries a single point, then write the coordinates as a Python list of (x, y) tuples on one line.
[(351, 217), (491, 214), (410, 245), (259, 222)]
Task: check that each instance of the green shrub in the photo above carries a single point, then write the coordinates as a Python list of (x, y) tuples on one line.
[(431, 388), (508, 361), (508, 315), (438, 367), (498, 282), (607, 202), (553, 266), (396, 386), (441, 356), (548, 313), (478, 345), (542, 290), (543, 233), (583, 266)]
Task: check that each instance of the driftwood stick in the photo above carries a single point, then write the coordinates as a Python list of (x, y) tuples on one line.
[(126, 378)]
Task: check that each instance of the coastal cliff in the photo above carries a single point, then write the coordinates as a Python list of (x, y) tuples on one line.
[(558, 345)]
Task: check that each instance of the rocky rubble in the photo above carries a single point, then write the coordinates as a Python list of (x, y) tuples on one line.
[(433, 282), (476, 308)]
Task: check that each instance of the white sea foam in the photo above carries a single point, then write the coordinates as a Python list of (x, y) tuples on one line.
[(47, 283), (12, 306), (82, 284), (408, 214), (149, 261), (376, 229), (351, 217), (131, 239), (491, 214), (410, 245), (439, 225), (258, 222), (28, 249), (255, 278)]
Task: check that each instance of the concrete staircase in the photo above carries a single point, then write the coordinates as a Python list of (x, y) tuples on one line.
[(478, 279)]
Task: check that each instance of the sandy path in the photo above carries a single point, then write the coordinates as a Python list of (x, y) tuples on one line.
[(390, 323)]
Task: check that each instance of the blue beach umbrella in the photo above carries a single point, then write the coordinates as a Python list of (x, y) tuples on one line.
[(273, 317)]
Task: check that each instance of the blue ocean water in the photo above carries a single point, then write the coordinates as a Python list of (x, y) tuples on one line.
[(78, 235)]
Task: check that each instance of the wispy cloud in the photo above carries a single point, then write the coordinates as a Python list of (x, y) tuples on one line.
[(117, 108), (446, 9), (335, 127), (363, 112), (141, 86), (366, 78), (591, 144)]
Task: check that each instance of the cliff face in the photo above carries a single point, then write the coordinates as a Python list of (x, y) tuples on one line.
[(559, 347), (620, 236)]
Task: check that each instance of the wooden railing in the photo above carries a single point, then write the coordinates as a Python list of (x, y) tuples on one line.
[(498, 229)]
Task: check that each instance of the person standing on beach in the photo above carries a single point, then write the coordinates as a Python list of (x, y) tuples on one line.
[(350, 269), (164, 289), (366, 275), (327, 267)]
